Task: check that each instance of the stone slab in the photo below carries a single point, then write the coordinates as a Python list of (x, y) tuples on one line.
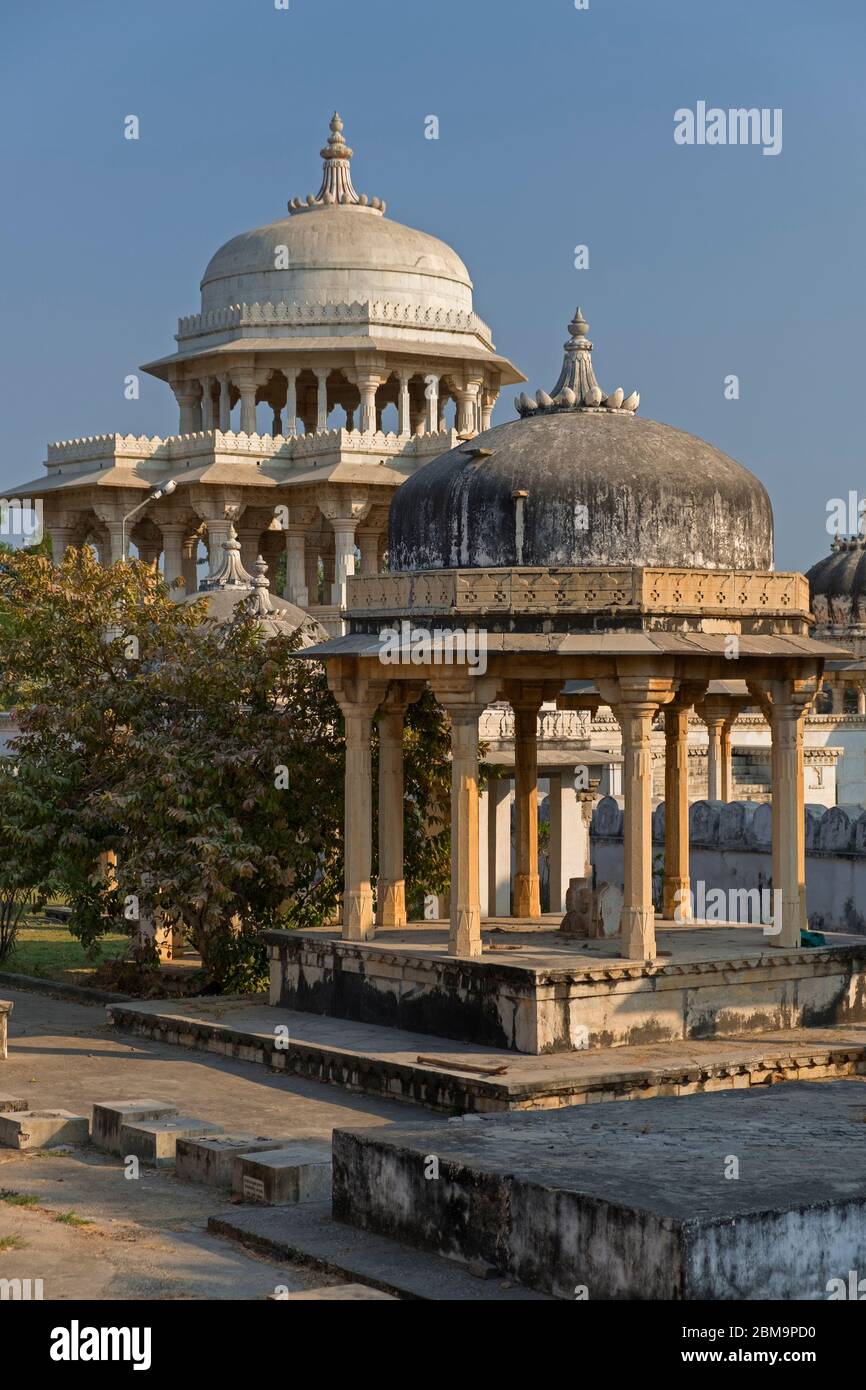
[(379, 1061), (9, 1103), (42, 1129), (535, 990), (209, 1158), (296, 1173), (155, 1141), (109, 1116), (630, 1202), (307, 1235)]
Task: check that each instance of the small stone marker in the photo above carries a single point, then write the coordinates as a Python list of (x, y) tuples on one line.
[(297, 1173), (109, 1116), (610, 908), (155, 1141), (6, 1007), (209, 1159), (41, 1129)]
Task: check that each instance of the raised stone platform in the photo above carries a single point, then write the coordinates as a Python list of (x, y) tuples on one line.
[(534, 990), (744, 1195), (456, 1077)]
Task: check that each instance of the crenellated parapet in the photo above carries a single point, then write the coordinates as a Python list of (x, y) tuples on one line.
[(306, 316)]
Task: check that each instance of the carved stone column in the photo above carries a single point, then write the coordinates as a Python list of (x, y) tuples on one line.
[(635, 700), (526, 701), (322, 399), (788, 702), (225, 416), (190, 564), (345, 512), (173, 535), (391, 888), (208, 418), (358, 701), (291, 425), (368, 384), (247, 384), (677, 880), (188, 396), (431, 395), (405, 426)]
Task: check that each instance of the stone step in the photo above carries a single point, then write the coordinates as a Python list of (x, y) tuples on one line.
[(299, 1172), (210, 1159), (109, 1116), (375, 1060), (307, 1234), (9, 1103), (155, 1141), (42, 1129)]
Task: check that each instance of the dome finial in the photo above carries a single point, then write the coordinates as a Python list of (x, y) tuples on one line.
[(577, 388), (230, 573), (336, 184)]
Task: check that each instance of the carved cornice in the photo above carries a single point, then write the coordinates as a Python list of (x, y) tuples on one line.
[(377, 312)]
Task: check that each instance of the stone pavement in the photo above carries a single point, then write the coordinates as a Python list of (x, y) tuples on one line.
[(147, 1237)]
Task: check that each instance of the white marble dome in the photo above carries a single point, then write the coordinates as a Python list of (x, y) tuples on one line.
[(336, 248)]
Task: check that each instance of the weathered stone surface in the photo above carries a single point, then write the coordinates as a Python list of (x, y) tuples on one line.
[(6, 1007), (210, 1158), (109, 1116), (155, 1141), (8, 1103), (630, 1202), (41, 1129), (300, 1172)]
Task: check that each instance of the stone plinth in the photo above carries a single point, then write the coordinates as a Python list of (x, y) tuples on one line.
[(629, 1202), (534, 991)]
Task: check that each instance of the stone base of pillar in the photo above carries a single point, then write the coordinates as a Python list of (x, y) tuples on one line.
[(392, 904), (358, 924), (675, 898), (638, 933), (527, 895), (466, 933)]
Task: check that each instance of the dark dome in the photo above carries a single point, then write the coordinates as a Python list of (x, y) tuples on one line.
[(580, 480), (602, 489), (843, 572)]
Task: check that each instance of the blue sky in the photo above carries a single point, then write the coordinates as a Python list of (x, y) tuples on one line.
[(556, 130)]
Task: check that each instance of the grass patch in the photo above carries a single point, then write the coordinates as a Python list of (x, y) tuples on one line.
[(18, 1199), (12, 1243), (68, 1218), (48, 950)]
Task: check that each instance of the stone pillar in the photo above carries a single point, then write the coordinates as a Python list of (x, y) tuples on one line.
[(635, 700), (405, 427), (787, 702), (291, 427), (250, 542), (727, 760), (467, 401), (500, 797), (322, 399), (837, 693), (247, 386), (391, 889), (172, 556), (225, 404), (431, 395), (488, 401), (567, 845), (208, 419), (62, 537), (368, 384), (117, 541), (188, 396), (344, 558), (368, 544), (861, 698), (527, 900), (190, 564), (219, 530), (483, 851), (359, 707), (714, 723), (311, 572), (677, 880), (296, 578)]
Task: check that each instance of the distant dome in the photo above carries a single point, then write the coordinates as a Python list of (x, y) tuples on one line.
[(581, 480), (837, 585), (339, 248), (231, 591)]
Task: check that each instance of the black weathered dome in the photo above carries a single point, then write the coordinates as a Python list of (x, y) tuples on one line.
[(842, 573), (600, 485)]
